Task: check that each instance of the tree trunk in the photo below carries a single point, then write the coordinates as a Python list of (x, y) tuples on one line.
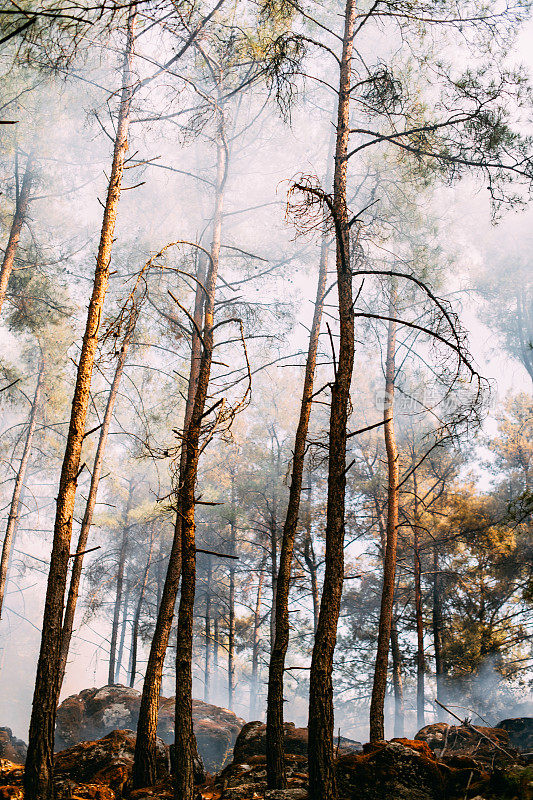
[(120, 582), (137, 618), (216, 642), (77, 567), (123, 629), (399, 708), (438, 627), (12, 520), (207, 617), (310, 560), (256, 641), (420, 660), (322, 783), (38, 773), (276, 778), (231, 599), (145, 762), (21, 211), (184, 735), (377, 724)]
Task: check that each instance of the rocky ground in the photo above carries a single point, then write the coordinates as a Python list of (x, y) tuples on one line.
[(443, 762)]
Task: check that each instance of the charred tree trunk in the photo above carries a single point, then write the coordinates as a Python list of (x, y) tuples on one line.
[(207, 619), (231, 599), (256, 641), (184, 735), (216, 643), (310, 560), (137, 617), (77, 567), (145, 762), (377, 725), (438, 627), (21, 212), (13, 517), (399, 707), (276, 778), (322, 783), (38, 773)]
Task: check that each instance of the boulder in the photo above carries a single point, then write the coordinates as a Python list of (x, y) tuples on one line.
[(481, 744), (93, 713), (400, 769), (520, 732), (251, 741), (12, 748)]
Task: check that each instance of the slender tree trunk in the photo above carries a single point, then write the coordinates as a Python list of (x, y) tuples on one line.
[(231, 602), (12, 520), (123, 629), (184, 735), (273, 578), (137, 618), (145, 762), (322, 783), (21, 212), (399, 707), (276, 777), (438, 627), (120, 582), (207, 617), (420, 660), (38, 773), (77, 568), (256, 641), (216, 643), (310, 560)]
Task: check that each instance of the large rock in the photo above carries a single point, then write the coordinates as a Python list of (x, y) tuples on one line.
[(481, 744), (12, 748), (93, 713), (520, 732), (396, 770), (251, 741)]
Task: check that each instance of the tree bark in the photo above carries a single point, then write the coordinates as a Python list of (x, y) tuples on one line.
[(38, 773), (377, 724), (137, 618), (184, 735), (310, 560), (123, 629), (438, 627), (21, 211), (77, 567), (276, 778), (322, 783), (13, 517)]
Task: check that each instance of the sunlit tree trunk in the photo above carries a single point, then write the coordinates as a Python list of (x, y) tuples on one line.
[(377, 725), (184, 735), (322, 783), (77, 567), (137, 617), (13, 517), (276, 778), (256, 642), (38, 774), (21, 213)]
